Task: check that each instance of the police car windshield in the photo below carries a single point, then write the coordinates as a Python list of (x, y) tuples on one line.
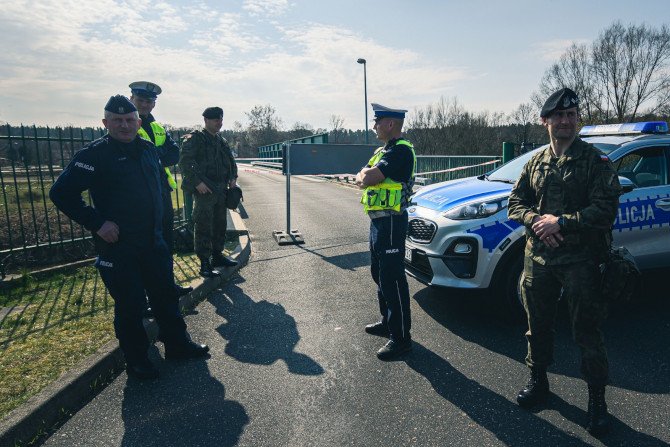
[(511, 170)]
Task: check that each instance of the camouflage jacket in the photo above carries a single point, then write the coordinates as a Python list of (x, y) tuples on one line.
[(583, 187), (205, 155)]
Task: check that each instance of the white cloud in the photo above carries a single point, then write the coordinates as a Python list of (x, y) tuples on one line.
[(266, 7), (64, 60)]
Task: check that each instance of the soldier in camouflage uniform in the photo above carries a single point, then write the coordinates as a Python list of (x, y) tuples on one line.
[(209, 169), (567, 198)]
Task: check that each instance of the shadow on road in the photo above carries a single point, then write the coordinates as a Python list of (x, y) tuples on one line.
[(186, 406), (504, 419), (635, 334), (349, 261), (260, 332)]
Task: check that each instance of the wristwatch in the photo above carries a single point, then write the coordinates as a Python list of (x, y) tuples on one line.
[(561, 222)]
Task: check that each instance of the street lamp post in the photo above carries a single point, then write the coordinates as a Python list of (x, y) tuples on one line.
[(365, 89)]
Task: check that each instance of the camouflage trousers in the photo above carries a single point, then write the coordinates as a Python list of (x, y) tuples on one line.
[(581, 283), (209, 224)]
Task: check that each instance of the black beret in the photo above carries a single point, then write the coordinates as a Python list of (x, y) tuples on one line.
[(213, 113), (560, 100), (120, 104)]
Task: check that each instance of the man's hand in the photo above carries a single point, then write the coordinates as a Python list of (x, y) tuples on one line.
[(369, 176), (359, 181), (232, 183), (203, 189), (546, 227), (109, 232)]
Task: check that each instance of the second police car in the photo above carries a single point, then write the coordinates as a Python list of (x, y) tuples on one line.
[(459, 234)]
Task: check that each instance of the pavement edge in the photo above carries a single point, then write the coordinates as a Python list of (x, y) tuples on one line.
[(77, 387)]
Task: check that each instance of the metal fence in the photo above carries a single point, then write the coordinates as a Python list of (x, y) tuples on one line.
[(440, 168), (32, 231), (275, 150)]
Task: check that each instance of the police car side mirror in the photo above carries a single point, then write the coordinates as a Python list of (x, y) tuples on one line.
[(626, 184)]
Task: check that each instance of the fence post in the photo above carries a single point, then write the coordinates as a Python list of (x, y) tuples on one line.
[(507, 152)]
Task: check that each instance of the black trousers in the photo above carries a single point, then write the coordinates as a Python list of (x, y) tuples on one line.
[(387, 249), (131, 275)]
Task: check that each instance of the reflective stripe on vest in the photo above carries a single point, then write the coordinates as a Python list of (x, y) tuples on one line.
[(159, 135), (386, 195)]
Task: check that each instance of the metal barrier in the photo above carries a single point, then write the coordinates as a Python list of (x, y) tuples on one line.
[(275, 150), (440, 168), (32, 232), (430, 168)]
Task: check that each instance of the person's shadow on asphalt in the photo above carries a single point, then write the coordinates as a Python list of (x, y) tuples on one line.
[(635, 336), (260, 332), (504, 419), (185, 406)]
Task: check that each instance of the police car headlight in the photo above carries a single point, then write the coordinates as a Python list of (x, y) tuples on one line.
[(477, 210)]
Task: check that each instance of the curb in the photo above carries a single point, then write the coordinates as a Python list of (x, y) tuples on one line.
[(77, 387)]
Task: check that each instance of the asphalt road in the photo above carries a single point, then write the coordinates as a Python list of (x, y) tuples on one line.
[(291, 365)]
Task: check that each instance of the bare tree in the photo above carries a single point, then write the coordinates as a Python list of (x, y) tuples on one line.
[(524, 124), (336, 124), (264, 125), (624, 70), (300, 130)]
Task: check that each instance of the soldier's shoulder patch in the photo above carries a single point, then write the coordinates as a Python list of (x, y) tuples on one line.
[(604, 157)]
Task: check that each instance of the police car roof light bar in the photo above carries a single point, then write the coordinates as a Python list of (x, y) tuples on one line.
[(648, 127)]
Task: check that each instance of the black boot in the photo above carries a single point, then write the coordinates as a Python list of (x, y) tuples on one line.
[(142, 369), (598, 417), (536, 391), (219, 260), (186, 349), (206, 270), (379, 328), (181, 291)]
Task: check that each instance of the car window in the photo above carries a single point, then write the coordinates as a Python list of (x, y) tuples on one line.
[(644, 167), (511, 170)]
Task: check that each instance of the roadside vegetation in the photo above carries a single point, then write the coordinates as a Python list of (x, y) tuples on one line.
[(50, 324)]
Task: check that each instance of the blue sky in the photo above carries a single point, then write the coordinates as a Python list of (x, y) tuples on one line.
[(62, 59)]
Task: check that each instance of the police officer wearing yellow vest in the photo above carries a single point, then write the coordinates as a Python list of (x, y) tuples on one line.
[(143, 96), (387, 180)]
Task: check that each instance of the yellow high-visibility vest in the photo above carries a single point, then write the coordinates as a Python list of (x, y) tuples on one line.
[(386, 195), (159, 135)]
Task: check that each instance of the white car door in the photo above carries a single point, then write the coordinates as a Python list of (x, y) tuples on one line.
[(643, 219)]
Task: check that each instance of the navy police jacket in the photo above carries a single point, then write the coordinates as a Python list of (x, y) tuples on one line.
[(124, 182)]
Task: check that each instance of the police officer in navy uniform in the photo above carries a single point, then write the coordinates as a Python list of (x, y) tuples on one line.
[(143, 96), (122, 173), (388, 180)]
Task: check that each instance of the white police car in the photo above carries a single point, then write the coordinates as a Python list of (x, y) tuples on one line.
[(459, 234)]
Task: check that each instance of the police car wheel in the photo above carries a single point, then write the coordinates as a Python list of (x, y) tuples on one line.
[(507, 290)]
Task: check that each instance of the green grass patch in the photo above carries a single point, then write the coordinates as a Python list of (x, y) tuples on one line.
[(48, 325)]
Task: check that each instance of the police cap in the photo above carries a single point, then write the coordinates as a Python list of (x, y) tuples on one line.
[(387, 112), (213, 113), (145, 89), (560, 100), (120, 104)]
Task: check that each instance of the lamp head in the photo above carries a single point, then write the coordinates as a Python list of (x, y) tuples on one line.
[(361, 60)]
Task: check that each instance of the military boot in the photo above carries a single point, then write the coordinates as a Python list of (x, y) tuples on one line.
[(206, 270), (537, 389), (598, 417)]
